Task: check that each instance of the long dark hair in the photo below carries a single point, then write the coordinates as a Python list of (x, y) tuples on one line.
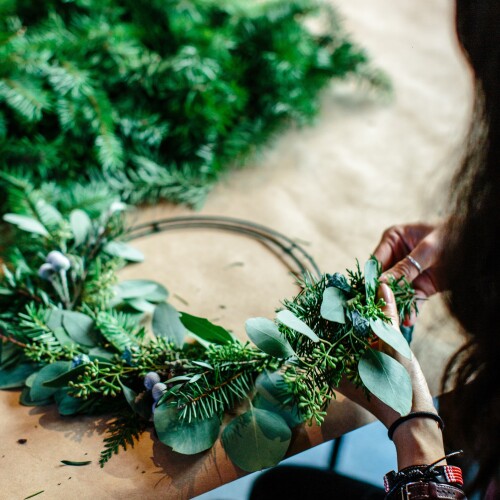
[(471, 257)]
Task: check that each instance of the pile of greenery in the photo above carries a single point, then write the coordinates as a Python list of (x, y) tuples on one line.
[(157, 97), (72, 335)]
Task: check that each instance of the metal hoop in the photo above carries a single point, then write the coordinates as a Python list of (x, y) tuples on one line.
[(298, 261)]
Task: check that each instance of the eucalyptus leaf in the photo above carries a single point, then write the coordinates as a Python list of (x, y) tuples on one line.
[(141, 305), (62, 379), (9, 354), (100, 354), (332, 305), (29, 381), (140, 405), (183, 437), (289, 319), (79, 327), (14, 377), (290, 414), (256, 439), (274, 395), (206, 330), (38, 390), (166, 323), (68, 405), (62, 337), (123, 251), (266, 336), (142, 289), (371, 275), (81, 225), (387, 379), (26, 223), (54, 319), (25, 399), (391, 336)]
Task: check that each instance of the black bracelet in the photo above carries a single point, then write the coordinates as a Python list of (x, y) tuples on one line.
[(415, 414)]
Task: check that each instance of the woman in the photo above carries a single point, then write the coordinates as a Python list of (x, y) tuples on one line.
[(464, 264), (459, 257)]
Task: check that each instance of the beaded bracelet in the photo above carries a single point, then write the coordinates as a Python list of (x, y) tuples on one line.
[(415, 414)]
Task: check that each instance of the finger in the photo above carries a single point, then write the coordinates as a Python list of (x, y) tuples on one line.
[(423, 256), (384, 252), (390, 309)]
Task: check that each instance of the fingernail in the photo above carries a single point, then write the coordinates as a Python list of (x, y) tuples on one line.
[(384, 292)]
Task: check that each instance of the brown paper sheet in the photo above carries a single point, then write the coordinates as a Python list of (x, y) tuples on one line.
[(334, 187)]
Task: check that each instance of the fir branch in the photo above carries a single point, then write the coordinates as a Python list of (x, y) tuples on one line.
[(122, 432)]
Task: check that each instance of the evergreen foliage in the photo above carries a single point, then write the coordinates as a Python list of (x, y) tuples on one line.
[(70, 334), (154, 97)]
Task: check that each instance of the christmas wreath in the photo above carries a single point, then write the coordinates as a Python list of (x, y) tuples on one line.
[(72, 335)]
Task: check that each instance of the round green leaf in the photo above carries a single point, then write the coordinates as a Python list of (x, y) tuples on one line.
[(183, 437), (81, 225), (267, 337), (79, 327), (391, 336), (141, 305), (68, 405), (386, 379), (63, 378), (25, 399), (38, 390), (256, 440), (124, 251), (166, 323), (54, 319), (289, 319), (26, 223), (332, 306), (274, 395), (13, 377), (141, 289)]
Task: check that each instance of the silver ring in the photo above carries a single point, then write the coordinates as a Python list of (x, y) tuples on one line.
[(415, 263)]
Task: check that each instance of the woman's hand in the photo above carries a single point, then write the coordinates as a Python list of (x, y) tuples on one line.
[(422, 243), (419, 440)]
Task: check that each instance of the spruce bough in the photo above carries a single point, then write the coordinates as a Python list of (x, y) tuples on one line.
[(155, 98)]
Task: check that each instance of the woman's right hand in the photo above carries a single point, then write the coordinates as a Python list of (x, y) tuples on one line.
[(417, 441), (422, 242)]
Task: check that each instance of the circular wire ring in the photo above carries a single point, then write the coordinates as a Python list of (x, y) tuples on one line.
[(298, 260)]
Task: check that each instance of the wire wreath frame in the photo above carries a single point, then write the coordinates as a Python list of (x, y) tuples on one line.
[(294, 256)]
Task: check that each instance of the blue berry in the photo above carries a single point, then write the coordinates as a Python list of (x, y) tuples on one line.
[(339, 281), (58, 260), (158, 390), (46, 271), (150, 380), (81, 359), (361, 325)]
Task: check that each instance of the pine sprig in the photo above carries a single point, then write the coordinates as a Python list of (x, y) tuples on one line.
[(122, 433)]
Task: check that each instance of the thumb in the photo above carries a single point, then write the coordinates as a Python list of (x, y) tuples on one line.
[(390, 309)]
